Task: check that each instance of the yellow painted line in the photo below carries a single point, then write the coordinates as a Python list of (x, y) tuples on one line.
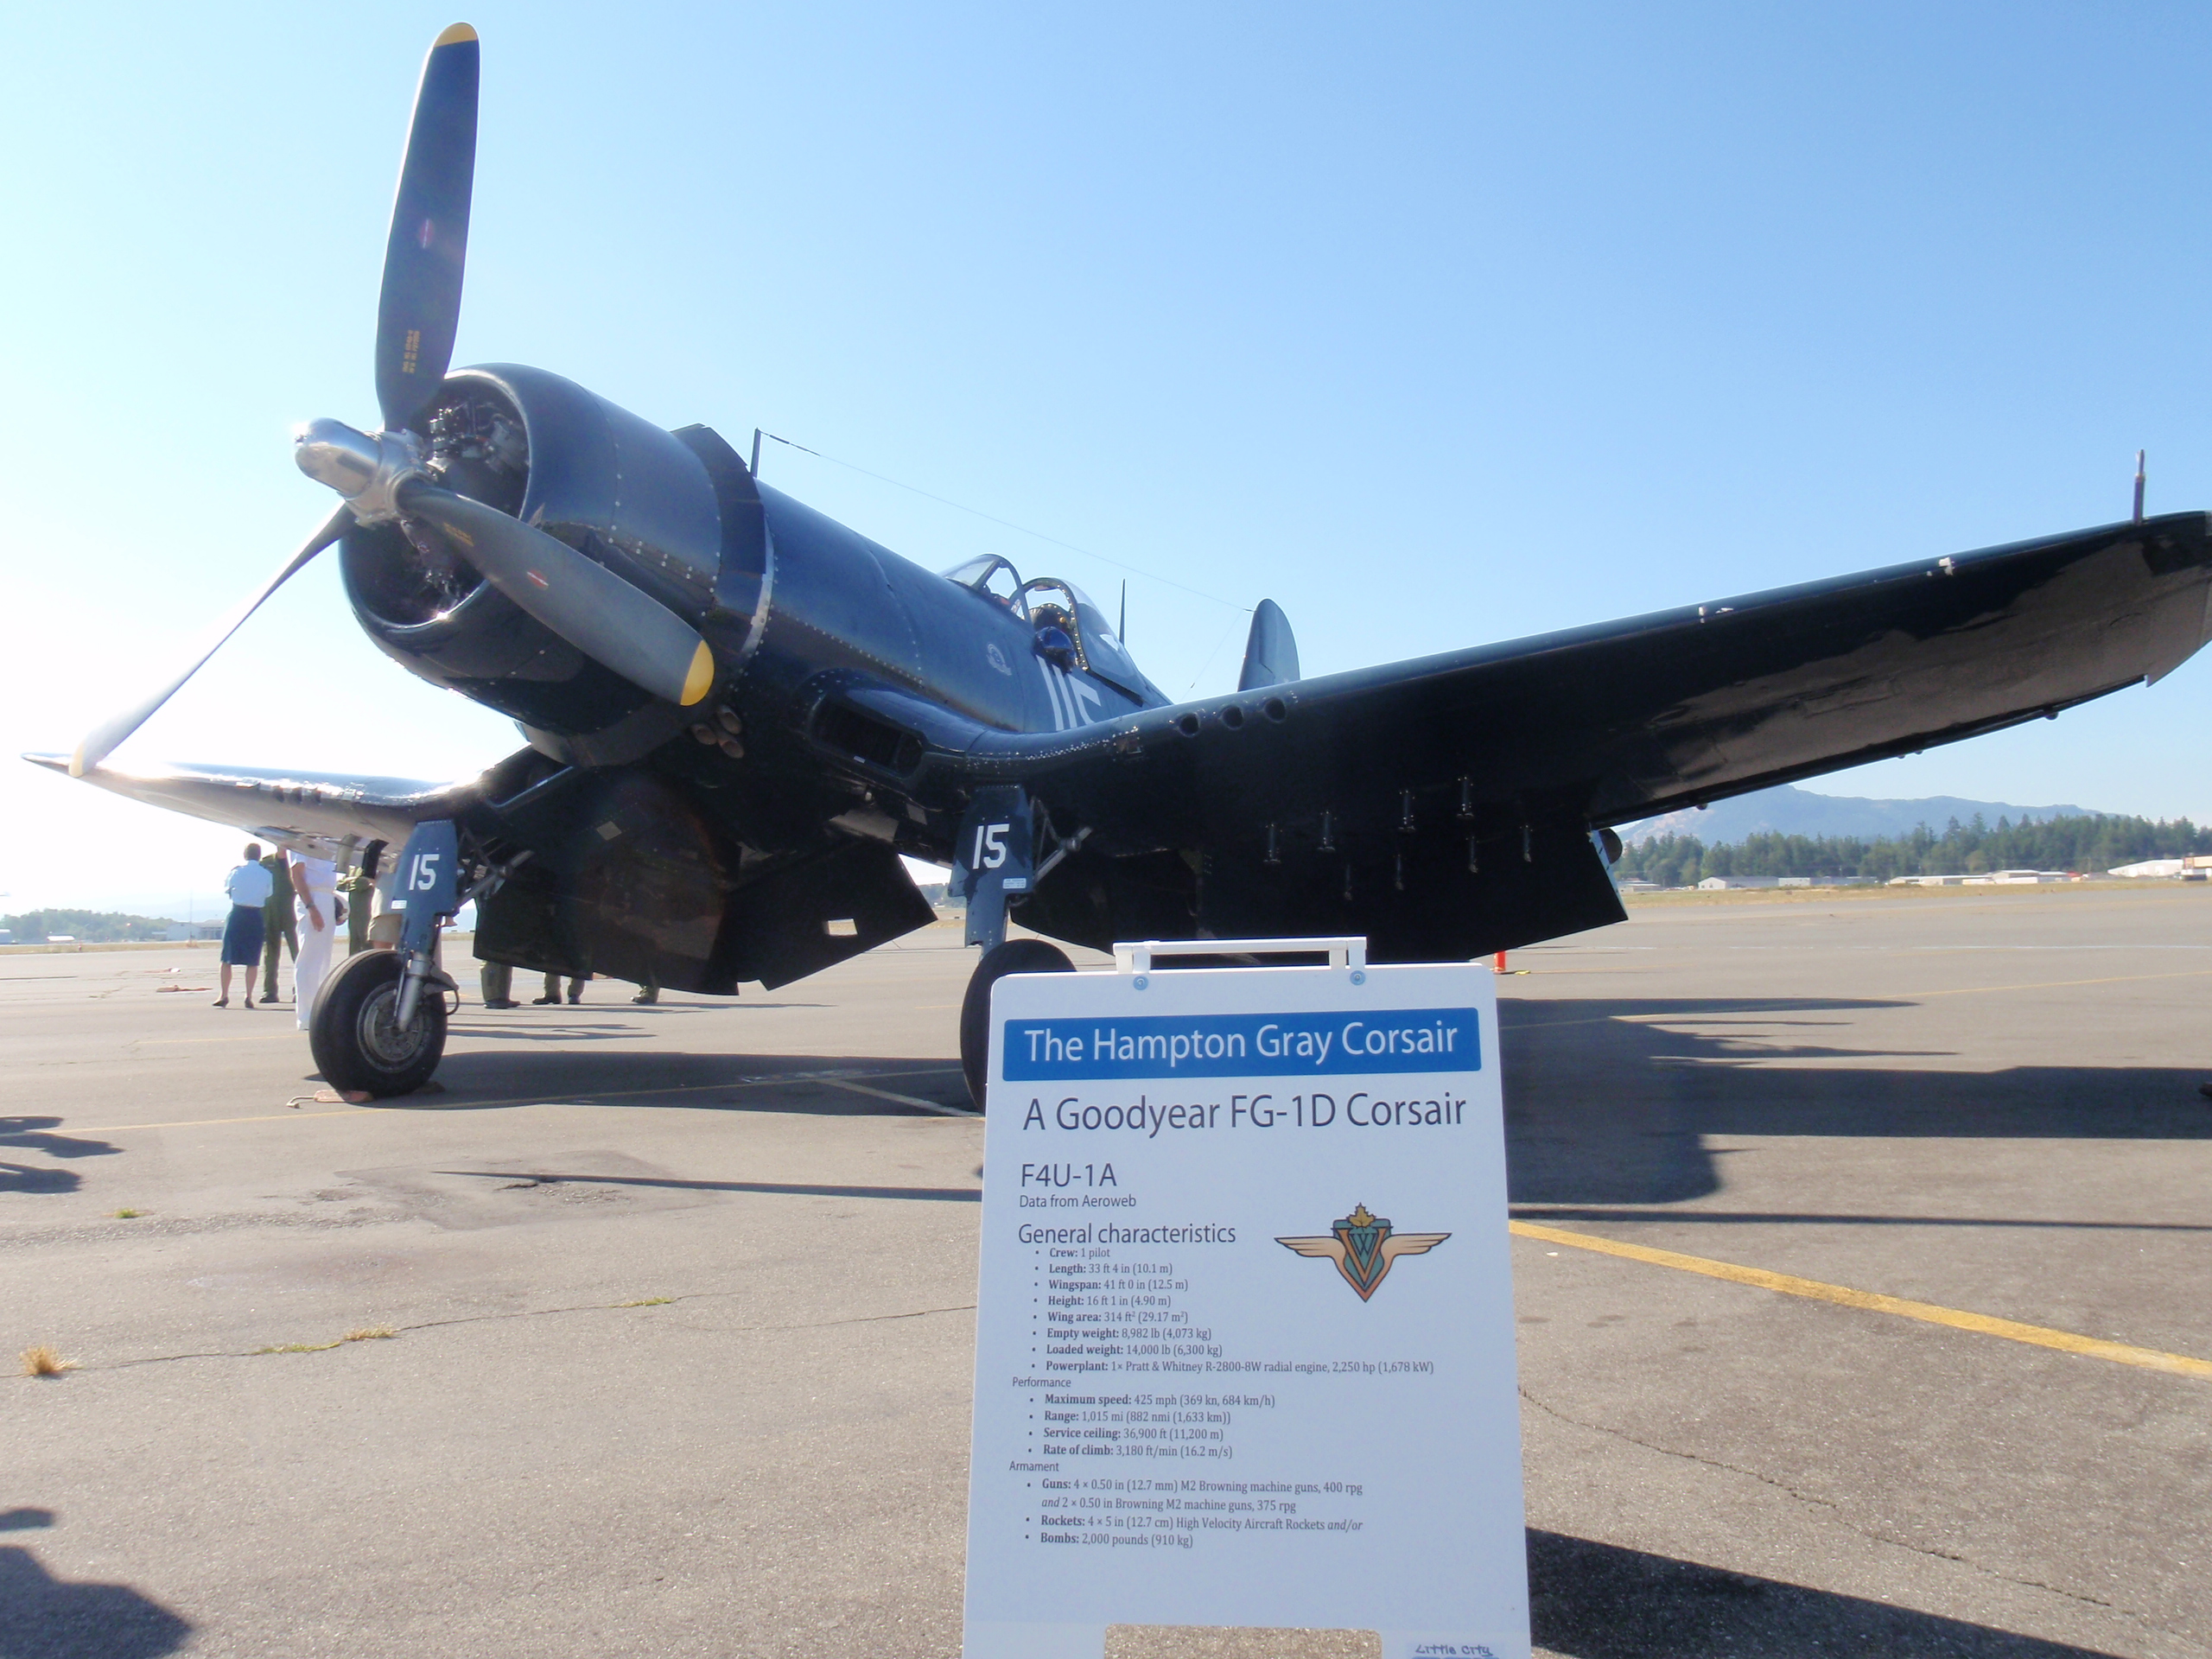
[(252, 1037), (1751, 1016), (2057, 984), (67, 1128), (2011, 1329), (587, 1099)]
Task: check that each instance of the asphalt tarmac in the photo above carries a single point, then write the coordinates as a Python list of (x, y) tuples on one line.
[(663, 1316)]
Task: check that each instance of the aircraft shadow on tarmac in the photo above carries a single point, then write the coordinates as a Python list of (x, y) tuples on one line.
[(1607, 1102), (30, 1134), (1589, 1600), (802, 1189), (45, 1618), (1612, 1102)]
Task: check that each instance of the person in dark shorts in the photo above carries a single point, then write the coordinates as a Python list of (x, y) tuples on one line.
[(249, 886)]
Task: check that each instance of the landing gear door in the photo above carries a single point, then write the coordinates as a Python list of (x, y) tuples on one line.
[(995, 863), (427, 883)]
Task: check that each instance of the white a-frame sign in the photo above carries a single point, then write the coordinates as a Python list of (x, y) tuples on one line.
[(1245, 1349)]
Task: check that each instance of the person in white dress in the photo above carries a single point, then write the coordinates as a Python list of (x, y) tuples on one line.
[(315, 881)]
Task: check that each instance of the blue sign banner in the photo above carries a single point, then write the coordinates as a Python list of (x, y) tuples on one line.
[(1244, 1045)]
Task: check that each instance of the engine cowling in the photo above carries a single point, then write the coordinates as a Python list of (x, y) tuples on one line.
[(673, 513)]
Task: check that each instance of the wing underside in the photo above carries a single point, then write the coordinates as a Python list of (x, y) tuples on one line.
[(301, 808), (1626, 720)]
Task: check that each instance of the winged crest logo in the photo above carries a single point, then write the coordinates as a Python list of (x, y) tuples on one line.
[(1364, 1247)]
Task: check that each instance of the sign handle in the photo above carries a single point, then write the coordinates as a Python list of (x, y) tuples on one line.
[(1345, 952)]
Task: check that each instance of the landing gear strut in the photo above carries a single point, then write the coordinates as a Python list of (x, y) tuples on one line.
[(1015, 957)]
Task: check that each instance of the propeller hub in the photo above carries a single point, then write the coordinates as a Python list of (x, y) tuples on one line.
[(367, 468)]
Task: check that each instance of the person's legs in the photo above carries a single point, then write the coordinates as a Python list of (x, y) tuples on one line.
[(241, 949), (496, 981), (552, 991), (313, 964), (576, 988)]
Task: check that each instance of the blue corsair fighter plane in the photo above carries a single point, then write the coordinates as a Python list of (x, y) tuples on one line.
[(739, 713)]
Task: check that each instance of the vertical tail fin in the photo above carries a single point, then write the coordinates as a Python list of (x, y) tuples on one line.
[(1270, 653)]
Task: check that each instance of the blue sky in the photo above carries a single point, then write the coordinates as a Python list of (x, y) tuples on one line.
[(1437, 324)]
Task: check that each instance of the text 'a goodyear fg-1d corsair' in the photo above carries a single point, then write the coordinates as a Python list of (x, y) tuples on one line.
[(741, 713)]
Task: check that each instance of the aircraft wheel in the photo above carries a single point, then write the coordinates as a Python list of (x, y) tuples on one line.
[(355, 1035), (1015, 957)]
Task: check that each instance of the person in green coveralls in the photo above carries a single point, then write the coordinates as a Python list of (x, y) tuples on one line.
[(496, 982), (576, 984), (279, 925), (359, 885)]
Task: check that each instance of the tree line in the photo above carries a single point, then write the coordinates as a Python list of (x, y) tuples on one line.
[(92, 926), (2089, 845)]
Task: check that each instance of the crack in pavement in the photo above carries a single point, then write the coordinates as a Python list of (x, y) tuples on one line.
[(531, 1313), (107, 1229), (1869, 1533)]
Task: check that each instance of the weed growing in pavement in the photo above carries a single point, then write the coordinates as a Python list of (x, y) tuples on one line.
[(42, 1361), (649, 1301)]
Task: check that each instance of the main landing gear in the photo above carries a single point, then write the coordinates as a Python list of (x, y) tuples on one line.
[(1015, 957), (356, 1036)]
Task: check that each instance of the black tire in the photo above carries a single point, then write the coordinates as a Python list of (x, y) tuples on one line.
[(355, 1040), (1015, 957)]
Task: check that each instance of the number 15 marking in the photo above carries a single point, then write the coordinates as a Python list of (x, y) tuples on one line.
[(987, 839)]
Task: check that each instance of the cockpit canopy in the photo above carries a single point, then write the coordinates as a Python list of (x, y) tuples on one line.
[(993, 577), (1072, 631)]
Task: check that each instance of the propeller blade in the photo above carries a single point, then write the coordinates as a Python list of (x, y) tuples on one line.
[(103, 739), (420, 307), (611, 621)]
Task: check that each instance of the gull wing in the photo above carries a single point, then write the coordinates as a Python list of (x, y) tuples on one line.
[(297, 806), (1442, 806), (1624, 720)]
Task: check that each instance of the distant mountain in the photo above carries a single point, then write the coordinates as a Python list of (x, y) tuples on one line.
[(1789, 810)]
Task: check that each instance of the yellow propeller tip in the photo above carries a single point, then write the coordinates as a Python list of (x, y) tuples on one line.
[(701, 679), (454, 36)]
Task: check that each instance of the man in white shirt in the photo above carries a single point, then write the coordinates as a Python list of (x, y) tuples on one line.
[(249, 886)]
